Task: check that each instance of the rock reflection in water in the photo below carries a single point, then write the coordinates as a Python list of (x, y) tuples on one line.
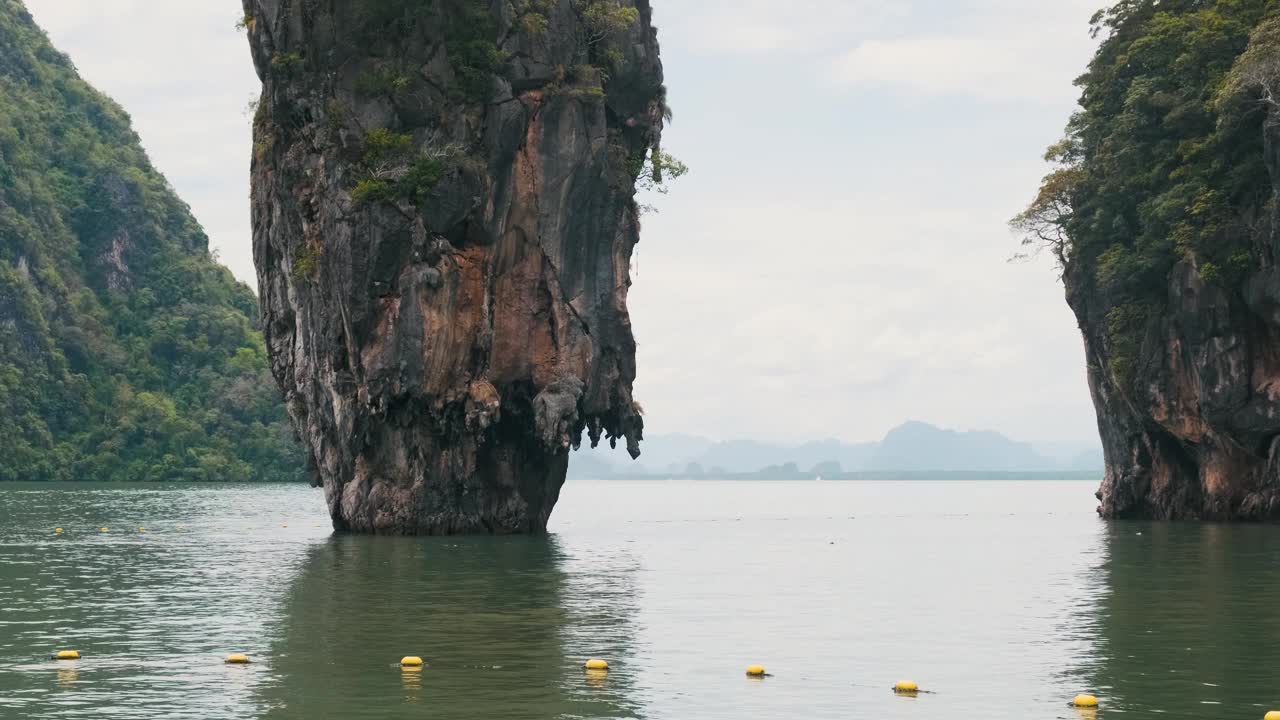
[(501, 623), (1187, 620)]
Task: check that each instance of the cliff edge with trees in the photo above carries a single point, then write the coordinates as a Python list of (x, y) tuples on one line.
[(1163, 214)]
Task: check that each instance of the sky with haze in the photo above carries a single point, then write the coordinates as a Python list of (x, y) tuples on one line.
[(835, 263)]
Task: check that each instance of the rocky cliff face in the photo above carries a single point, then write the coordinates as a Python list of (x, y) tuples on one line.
[(443, 225), (1165, 216), (1198, 433)]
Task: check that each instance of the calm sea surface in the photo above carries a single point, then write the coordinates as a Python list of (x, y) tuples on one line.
[(1005, 599)]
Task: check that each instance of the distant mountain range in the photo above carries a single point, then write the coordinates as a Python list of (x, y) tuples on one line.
[(911, 450)]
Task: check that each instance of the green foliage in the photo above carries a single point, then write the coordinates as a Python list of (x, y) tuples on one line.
[(471, 38), (286, 63), (370, 189), (534, 23), (603, 24), (265, 142), (383, 81), (246, 22), (1116, 266), (1211, 273), (650, 170), (583, 74), (393, 169), (581, 80), (306, 265), (382, 145), (422, 176), (377, 20), (1164, 161), (1154, 161), (604, 18), (657, 170), (126, 351), (1255, 76), (1124, 331), (611, 58), (470, 32), (1230, 273)]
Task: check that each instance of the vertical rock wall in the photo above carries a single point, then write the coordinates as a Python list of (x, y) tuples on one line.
[(443, 225), (1196, 434)]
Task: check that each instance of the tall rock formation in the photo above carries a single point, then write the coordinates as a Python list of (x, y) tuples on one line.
[(443, 226), (1164, 215)]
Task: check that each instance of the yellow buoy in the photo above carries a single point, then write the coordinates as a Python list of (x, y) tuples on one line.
[(102, 529), (410, 661), (68, 655), (906, 687), (57, 531), (755, 670), (1085, 701), (596, 664), (1273, 715), (237, 659), (142, 529)]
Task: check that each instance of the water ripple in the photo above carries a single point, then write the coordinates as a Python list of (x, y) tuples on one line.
[(1005, 598)]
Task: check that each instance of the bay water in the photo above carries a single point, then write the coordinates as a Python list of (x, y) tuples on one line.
[(1004, 599)]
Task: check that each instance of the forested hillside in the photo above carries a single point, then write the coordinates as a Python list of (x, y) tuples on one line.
[(126, 351)]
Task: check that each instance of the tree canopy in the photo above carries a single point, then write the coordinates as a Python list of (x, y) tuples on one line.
[(1164, 161), (126, 351)]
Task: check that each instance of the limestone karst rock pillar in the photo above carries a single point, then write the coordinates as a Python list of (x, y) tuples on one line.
[(443, 224)]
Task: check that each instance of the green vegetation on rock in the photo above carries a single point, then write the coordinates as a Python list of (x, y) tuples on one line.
[(126, 351), (286, 63), (1164, 162), (470, 28), (603, 23), (393, 170), (472, 45), (658, 169)]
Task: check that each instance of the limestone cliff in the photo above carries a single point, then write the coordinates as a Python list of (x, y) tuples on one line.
[(443, 225), (1164, 215), (1198, 435)]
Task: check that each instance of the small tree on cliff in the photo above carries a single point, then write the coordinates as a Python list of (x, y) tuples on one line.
[(658, 170), (602, 22), (1256, 72), (1043, 225), (605, 18)]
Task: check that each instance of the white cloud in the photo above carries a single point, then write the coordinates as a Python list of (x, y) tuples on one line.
[(956, 65), (841, 317), (988, 49), (738, 27), (992, 50)]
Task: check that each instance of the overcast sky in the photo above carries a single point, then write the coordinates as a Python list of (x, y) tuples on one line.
[(836, 262)]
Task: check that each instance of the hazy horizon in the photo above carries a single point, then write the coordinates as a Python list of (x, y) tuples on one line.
[(854, 166), (1063, 447)]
